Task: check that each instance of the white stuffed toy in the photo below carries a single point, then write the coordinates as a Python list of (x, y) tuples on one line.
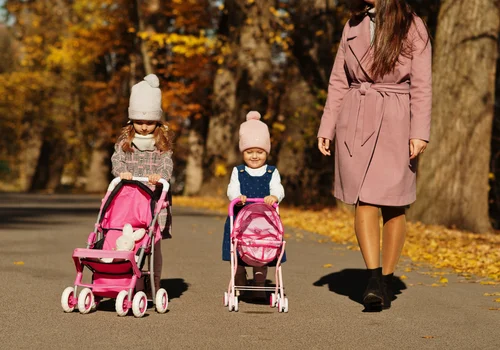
[(126, 242)]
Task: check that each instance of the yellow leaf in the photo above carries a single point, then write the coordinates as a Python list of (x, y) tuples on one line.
[(435, 285), (403, 277), (319, 33), (18, 262), (494, 308), (327, 265), (497, 300), (408, 269), (488, 283), (443, 280), (220, 170), (428, 336)]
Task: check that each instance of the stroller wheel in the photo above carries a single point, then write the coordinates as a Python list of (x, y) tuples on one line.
[(85, 301), (161, 301), (272, 300), (122, 303), (235, 304), (283, 304), (68, 299), (139, 304)]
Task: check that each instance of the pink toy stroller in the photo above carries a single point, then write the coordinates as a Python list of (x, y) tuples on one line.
[(257, 239), (115, 273)]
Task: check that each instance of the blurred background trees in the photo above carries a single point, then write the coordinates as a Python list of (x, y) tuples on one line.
[(67, 66)]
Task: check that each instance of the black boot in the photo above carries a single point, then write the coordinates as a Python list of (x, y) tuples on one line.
[(387, 291), (373, 298)]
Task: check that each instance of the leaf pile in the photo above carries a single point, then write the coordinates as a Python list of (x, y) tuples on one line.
[(464, 252)]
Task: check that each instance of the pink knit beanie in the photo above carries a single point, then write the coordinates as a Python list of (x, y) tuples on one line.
[(254, 133)]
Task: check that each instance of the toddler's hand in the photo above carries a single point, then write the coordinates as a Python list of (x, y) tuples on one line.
[(153, 178), (126, 176), (243, 199), (270, 200)]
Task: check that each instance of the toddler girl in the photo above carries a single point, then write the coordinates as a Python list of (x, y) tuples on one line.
[(254, 179), (144, 149)]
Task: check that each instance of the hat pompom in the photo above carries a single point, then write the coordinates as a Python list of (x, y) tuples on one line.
[(253, 115), (152, 80)]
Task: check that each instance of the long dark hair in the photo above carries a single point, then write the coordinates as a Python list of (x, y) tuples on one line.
[(393, 20)]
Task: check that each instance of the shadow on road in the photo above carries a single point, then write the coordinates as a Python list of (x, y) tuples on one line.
[(175, 287), (352, 283), (39, 216)]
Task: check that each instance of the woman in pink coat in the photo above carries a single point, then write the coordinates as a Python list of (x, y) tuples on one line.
[(378, 111)]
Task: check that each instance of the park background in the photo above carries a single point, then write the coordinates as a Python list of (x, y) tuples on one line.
[(66, 69)]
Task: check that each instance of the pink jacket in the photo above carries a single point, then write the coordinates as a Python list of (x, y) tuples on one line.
[(374, 119)]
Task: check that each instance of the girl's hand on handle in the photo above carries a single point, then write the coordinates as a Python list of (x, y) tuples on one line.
[(126, 176), (417, 147), (243, 199), (270, 200), (153, 178), (324, 146)]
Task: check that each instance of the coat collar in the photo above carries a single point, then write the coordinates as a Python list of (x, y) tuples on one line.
[(358, 39)]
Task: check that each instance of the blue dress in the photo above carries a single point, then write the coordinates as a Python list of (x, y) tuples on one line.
[(252, 187)]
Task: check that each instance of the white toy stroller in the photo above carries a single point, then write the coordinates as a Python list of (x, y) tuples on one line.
[(256, 239)]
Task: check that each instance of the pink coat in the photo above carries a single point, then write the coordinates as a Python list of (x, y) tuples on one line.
[(373, 120)]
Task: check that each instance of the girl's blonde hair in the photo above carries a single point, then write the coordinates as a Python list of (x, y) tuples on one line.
[(162, 136)]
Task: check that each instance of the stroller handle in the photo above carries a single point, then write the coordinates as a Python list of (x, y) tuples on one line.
[(253, 200), (117, 180)]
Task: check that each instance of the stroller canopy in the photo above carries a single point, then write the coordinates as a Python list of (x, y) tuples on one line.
[(259, 231), (130, 202)]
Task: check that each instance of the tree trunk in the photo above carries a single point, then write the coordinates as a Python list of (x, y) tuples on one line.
[(453, 173), (50, 165), (307, 175), (241, 83), (99, 169), (194, 165)]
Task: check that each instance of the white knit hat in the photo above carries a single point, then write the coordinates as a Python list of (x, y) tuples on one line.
[(145, 100)]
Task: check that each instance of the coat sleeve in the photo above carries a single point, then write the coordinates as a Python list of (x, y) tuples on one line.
[(337, 88), (233, 189), (275, 186), (420, 82), (118, 164), (166, 165)]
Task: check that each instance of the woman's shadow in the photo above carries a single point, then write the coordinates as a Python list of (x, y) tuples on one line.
[(352, 283)]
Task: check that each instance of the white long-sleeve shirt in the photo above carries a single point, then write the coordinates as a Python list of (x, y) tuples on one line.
[(275, 186)]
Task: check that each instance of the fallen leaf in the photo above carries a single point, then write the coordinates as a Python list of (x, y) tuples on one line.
[(494, 308), (18, 262), (435, 285), (403, 277), (443, 280), (492, 294), (428, 336), (327, 265), (497, 300), (488, 283)]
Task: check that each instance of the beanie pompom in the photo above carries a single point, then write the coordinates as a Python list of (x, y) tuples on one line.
[(253, 115), (152, 80)]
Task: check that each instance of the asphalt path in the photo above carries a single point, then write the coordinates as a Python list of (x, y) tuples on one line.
[(323, 282)]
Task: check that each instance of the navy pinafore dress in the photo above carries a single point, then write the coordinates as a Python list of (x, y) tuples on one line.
[(252, 187)]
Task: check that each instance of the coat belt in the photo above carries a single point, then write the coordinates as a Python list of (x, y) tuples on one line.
[(372, 117)]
